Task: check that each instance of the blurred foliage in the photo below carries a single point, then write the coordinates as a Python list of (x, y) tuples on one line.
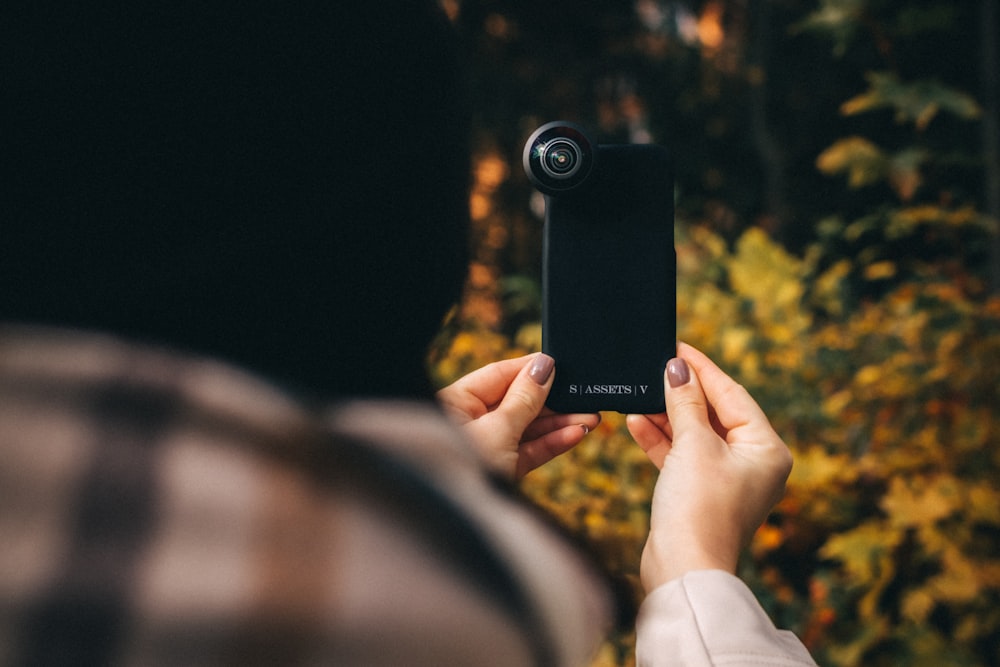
[(884, 550), (856, 310)]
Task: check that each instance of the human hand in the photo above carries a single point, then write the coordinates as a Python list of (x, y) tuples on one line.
[(501, 408), (722, 469)]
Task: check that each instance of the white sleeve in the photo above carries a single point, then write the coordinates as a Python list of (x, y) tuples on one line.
[(709, 618)]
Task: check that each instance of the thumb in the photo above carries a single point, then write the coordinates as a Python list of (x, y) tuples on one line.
[(525, 398), (687, 406)]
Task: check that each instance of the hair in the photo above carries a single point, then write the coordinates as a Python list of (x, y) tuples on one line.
[(283, 186)]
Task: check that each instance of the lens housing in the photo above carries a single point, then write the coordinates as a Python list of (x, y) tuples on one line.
[(558, 157)]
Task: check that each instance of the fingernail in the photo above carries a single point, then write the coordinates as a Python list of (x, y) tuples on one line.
[(541, 368), (678, 373), (586, 429)]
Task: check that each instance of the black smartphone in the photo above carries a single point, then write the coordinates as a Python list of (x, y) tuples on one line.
[(608, 269)]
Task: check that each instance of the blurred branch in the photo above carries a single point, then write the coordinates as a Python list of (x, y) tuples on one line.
[(771, 155), (989, 65)]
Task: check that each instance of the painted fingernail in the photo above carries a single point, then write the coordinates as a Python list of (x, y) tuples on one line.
[(541, 368), (678, 373)]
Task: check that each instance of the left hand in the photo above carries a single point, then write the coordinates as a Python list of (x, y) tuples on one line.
[(722, 468), (501, 407)]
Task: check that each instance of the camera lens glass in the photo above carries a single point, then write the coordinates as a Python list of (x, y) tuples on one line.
[(558, 157), (561, 158)]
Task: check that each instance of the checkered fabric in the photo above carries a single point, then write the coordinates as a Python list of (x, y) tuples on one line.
[(165, 510)]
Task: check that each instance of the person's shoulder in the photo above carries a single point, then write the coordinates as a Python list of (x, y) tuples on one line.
[(101, 377)]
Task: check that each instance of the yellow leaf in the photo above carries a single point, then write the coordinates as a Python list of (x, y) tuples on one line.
[(917, 605), (529, 337), (860, 158), (958, 581), (933, 540), (735, 342), (868, 375), (925, 115), (750, 368), (827, 286), (835, 404), (815, 469), (969, 628), (787, 358), (762, 271), (983, 503), (907, 507), (880, 270), (865, 551), (708, 241)]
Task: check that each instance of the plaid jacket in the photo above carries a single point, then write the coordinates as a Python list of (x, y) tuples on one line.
[(163, 510)]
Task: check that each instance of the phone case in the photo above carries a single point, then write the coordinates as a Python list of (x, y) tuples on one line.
[(609, 284)]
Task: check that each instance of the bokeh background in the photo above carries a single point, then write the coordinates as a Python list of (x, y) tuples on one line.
[(838, 191)]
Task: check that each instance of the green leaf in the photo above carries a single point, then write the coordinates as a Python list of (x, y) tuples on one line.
[(838, 19), (912, 21), (917, 102), (904, 172)]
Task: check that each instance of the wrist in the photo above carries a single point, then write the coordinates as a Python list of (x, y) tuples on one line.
[(662, 563)]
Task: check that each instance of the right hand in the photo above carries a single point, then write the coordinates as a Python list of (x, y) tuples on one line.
[(722, 469), (501, 407)]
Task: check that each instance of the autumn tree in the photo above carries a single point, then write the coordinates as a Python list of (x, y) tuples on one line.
[(837, 203)]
